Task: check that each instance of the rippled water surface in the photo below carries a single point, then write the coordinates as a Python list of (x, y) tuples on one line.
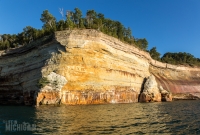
[(179, 117)]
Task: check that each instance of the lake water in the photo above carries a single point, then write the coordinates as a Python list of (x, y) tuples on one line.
[(178, 117)]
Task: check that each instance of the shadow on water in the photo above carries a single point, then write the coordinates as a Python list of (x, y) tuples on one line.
[(180, 117)]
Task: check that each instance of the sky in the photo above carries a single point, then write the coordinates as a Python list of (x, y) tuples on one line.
[(168, 25)]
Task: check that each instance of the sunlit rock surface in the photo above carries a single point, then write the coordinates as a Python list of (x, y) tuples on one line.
[(100, 69), (88, 67), (150, 92)]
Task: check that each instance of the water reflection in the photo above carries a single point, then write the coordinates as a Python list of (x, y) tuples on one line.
[(184, 117), (152, 118), (103, 119)]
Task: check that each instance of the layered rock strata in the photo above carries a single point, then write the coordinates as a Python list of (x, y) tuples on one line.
[(182, 82), (88, 67)]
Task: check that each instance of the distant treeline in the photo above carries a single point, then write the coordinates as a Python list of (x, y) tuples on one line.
[(181, 58), (92, 20)]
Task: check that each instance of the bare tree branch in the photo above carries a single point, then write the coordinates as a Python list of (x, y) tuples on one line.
[(61, 12)]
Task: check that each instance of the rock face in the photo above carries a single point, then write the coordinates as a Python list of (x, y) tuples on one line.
[(55, 83), (88, 67), (51, 92), (150, 92), (182, 82), (100, 69)]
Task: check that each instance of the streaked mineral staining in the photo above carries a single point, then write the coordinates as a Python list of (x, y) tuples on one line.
[(89, 67)]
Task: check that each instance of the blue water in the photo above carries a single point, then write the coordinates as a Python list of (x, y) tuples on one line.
[(178, 117)]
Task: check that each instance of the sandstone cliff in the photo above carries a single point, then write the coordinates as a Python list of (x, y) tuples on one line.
[(87, 67)]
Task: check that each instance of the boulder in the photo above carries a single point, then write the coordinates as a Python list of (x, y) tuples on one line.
[(150, 93), (165, 94)]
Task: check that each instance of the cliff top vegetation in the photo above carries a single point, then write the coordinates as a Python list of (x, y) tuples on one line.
[(92, 20)]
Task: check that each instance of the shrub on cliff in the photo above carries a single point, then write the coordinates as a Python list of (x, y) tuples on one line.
[(43, 82), (154, 54)]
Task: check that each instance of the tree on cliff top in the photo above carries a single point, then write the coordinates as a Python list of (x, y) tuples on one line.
[(69, 21), (77, 17), (154, 54), (48, 19), (92, 20), (142, 43), (91, 16)]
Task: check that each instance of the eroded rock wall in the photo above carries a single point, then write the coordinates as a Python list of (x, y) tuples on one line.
[(182, 82), (87, 67), (100, 69)]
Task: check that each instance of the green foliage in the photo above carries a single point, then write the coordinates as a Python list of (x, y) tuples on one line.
[(69, 22), (49, 20), (119, 31), (77, 18), (90, 17), (43, 82), (142, 43), (154, 54), (60, 25), (81, 24), (180, 58)]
